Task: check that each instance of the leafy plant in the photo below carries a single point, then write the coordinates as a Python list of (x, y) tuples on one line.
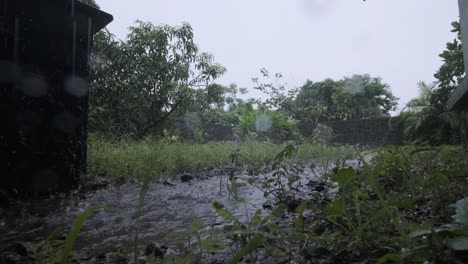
[(199, 136), (251, 235), (141, 201), (52, 250), (355, 213), (453, 235), (281, 176), (267, 125), (232, 183), (45, 250)]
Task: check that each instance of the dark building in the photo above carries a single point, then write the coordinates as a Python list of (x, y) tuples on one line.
[(44, 52)]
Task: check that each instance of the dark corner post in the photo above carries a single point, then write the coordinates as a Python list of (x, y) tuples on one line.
[(459, 98), (44, 52)]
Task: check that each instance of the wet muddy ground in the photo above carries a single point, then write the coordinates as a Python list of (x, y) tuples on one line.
[(170, 207)]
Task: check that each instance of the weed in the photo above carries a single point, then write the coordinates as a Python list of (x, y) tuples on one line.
[(52, 250), (279, 178)]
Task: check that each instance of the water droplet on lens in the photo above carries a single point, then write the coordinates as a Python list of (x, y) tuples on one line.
[(34, 85), (76, 86)]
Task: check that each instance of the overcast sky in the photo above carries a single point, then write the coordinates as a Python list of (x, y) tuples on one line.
[(398, 40)]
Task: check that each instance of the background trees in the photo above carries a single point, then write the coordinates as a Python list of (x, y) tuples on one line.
[(157, 77), (427, 118), (138, 83), (357, 97)]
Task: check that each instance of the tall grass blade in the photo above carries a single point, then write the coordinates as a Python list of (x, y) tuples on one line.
[(75, 230)]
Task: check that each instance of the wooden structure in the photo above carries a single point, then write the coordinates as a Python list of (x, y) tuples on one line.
[(44, 51)]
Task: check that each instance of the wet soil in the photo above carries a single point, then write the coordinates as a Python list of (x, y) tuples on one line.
[(169, 208)]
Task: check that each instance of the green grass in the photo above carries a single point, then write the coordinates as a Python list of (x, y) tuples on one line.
[(150, 158)]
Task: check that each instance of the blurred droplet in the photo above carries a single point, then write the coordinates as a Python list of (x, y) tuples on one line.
[(98, 61), (354, 85), (65, 122), (319, 8), (192, 121), (263, 122), (76, 86), (34, 85)]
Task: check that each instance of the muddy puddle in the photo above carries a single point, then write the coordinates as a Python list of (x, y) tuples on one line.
[(168, 210)]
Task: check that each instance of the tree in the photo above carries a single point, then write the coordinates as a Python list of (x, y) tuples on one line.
[(140, 82), (427, 118), (277, 96), (315, 101), (215, 105), (451, 72), (423, 122), (357, 97)]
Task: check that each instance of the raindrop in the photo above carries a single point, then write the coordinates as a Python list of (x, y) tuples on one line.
[(76, 86), (98, 62), (354, 85), (34, 85), (263, 122), (192, 121)]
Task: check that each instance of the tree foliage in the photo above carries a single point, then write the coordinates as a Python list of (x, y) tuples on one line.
[(427, 118), (451, 72), (138, 83), (357, 97), (423, 122)]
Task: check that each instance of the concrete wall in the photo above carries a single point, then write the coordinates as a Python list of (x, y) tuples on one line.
[(364, 132)]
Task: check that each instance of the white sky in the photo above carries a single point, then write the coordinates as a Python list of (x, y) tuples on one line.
[(398, 40)]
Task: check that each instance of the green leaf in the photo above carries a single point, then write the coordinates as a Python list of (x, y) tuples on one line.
[(390, 258), (277, 212), (75, 230), (196, 225), (458, 243), (298, 222), (345, 177), (256, 219), (225, 214), (211, 244), (335, 208), (253, 244)]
